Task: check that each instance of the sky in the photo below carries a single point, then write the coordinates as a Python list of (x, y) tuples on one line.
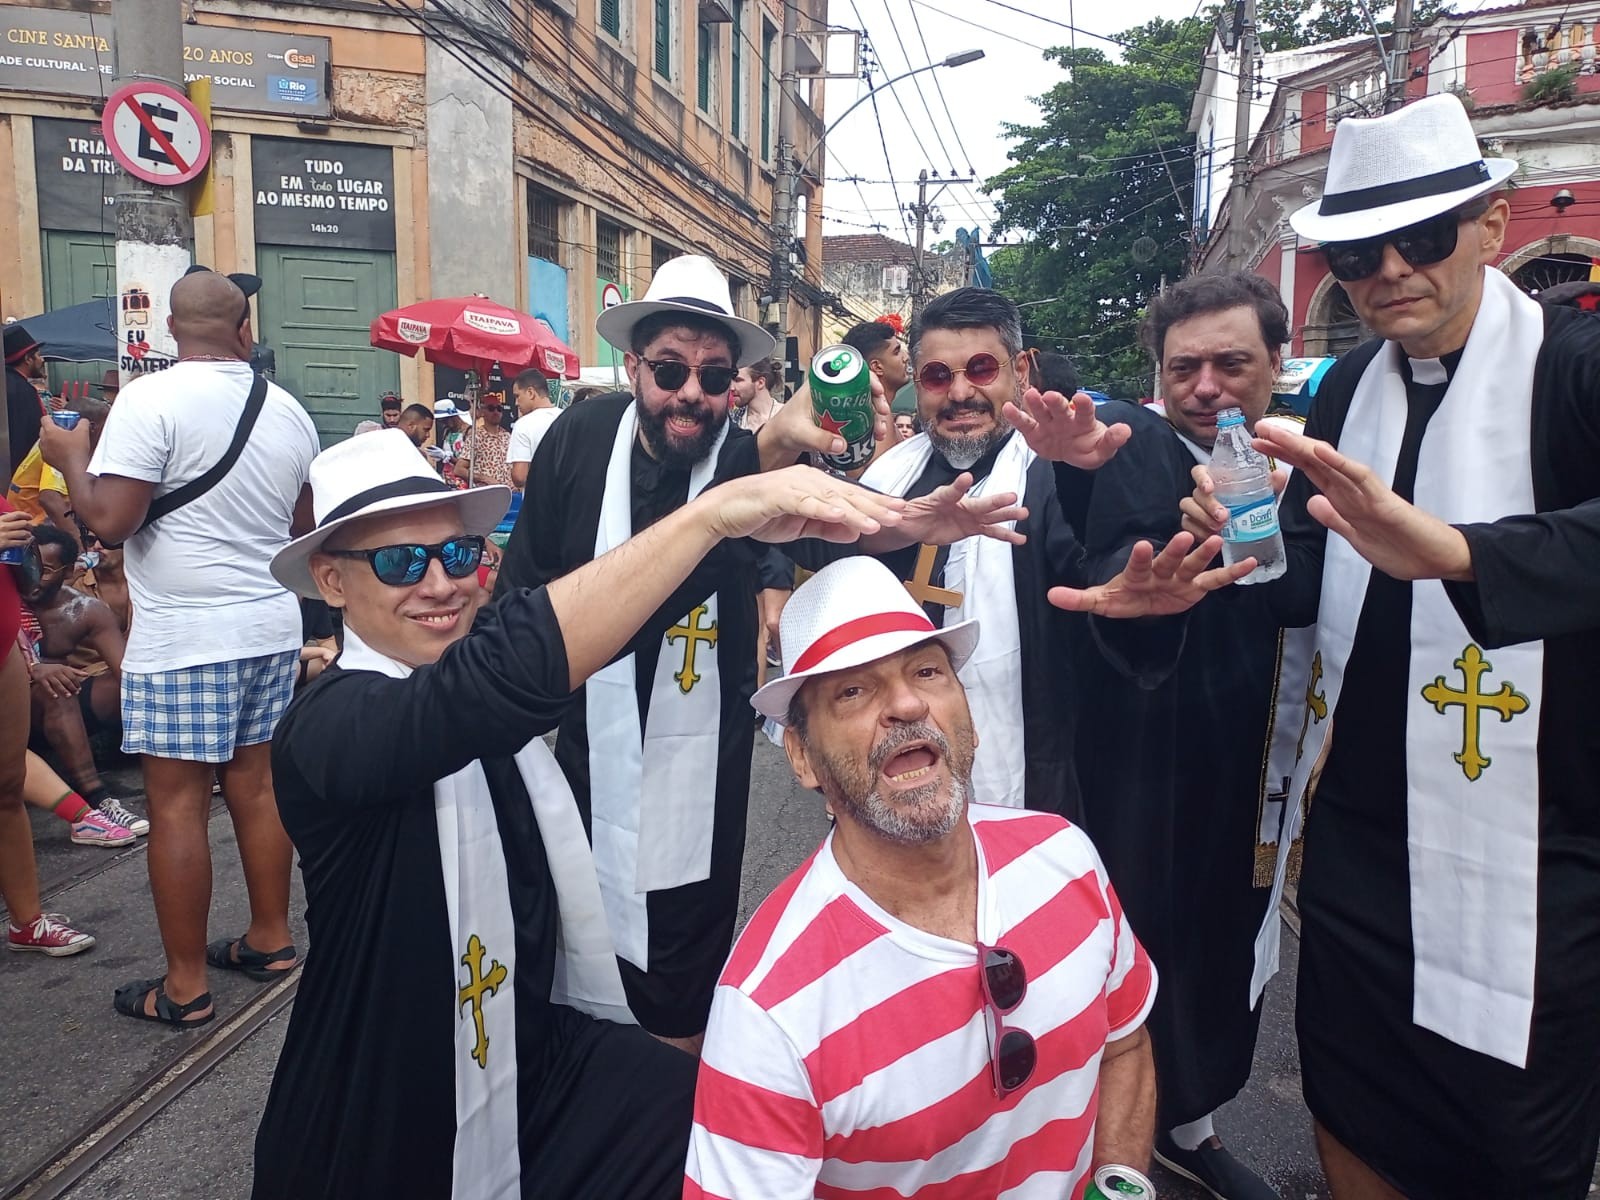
[(963, 129)]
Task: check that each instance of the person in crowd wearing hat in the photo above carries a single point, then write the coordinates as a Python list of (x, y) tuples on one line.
[(212, 653), (482, 457), (24, 360), (449, 428), (389, 408), (109, 386), (461, 1028), (657, 749), (1440, 529), (971, 372), (946, 997), (536, 412)]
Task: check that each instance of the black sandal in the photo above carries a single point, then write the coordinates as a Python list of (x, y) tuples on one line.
[(130, 997), (236, 954)]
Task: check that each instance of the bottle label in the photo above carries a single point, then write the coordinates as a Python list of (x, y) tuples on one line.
[(1251, 521)]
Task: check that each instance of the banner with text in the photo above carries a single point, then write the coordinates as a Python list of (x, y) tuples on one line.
[(75, 174), (323, 194)]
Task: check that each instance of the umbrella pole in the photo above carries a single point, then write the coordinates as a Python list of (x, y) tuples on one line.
[(472, 407)]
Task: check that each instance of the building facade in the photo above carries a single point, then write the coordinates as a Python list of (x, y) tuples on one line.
[(873, 275), (1528, 76), (547, 153)]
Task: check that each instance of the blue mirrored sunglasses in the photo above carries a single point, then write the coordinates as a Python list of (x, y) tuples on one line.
[(405, 564)]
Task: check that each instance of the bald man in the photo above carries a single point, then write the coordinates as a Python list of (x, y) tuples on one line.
[(211, 656)]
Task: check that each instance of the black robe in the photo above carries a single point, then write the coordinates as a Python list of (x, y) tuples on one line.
[(1171, 757), (1437, 1119), (691, 927), (363, 1100), (1051, 556), (22, 417)]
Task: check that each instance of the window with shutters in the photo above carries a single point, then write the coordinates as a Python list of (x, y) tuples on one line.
[(660, 252), (663, 42), (544, 226), (611, 17), (608, 250), (768, 35), (896, 280), (736, 65), (705, 67)]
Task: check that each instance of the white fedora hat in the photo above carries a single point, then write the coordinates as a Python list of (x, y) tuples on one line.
[(690, 283), (1388, 172), (444, 409), (850, 613), (379, 473)]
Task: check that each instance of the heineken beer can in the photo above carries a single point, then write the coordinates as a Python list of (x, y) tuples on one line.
[(841, 397), (1120, 1183)]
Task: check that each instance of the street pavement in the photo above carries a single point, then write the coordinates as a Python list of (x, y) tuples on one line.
[(68, 1059)]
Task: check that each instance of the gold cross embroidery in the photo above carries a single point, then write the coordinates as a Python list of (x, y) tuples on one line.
[(1507, 702), (920, 584), (1316, 705), (692, 633), (473, 991)]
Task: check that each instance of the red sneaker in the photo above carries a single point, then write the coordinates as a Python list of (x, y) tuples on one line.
[(50, 934)]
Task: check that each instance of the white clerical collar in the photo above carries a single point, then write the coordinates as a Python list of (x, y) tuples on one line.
[(1428, 371)]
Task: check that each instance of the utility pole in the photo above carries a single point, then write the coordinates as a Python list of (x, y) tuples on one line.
[(926, 214), (1239, 184), (153, 226), (787, 179), (1399, 56)]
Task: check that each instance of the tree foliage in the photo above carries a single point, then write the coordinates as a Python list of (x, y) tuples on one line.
[(1108, 164)]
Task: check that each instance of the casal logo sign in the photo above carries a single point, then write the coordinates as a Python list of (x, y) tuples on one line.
[(295, 59)]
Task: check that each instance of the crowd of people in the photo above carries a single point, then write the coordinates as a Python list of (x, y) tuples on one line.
[(1069, 756)]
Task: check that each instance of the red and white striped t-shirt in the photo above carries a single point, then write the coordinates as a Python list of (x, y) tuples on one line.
[(848, 1054)]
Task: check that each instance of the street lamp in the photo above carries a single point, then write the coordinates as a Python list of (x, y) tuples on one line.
[(783, 200)]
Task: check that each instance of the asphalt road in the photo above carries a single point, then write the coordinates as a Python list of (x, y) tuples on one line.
[(64, 1057)]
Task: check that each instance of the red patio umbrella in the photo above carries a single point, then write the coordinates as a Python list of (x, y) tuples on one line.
[(470, 333)]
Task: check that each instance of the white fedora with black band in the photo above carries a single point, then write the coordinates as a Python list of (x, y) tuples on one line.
[(378, 473), (1386, 173), (690, 283), (848, 614)]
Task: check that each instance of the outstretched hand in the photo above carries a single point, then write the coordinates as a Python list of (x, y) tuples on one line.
[(1397, 538), (793, 431), (1156, 585), (798, 502), (1064, 430), (949, 513)]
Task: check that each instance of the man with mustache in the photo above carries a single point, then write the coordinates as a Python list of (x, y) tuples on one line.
[(946, 997), (972, 377), (669, 721)]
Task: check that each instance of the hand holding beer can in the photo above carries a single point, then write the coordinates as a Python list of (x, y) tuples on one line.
[(841, 399), (66, 419)]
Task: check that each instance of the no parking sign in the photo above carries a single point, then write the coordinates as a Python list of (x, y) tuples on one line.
[(156, 134)]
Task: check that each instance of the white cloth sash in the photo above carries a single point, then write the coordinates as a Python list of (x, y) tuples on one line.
[(982, 570), (645, 845), (487, 1161), (1473, 823)]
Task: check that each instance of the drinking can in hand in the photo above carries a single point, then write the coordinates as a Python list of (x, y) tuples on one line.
[(66, 419), (1120, 1183), (841, 397)]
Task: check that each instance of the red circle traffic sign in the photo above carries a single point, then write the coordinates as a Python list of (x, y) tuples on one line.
[(610, 296), (156, 133)]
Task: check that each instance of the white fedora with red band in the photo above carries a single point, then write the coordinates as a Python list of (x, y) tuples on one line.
[(850, 613)]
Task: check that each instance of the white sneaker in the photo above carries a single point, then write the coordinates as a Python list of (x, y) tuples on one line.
[(112, 810), (98, 830)]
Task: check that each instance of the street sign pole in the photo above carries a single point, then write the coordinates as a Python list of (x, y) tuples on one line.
[(153, 226)]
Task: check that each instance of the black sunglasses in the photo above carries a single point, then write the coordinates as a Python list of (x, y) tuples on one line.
[(671, 375), (404, 565), (1012, 1052), (1421, 245)]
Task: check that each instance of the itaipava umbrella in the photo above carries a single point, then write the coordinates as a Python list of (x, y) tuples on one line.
[(470, 333)]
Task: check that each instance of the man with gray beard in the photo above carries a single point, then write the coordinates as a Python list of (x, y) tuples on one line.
[(969, 368)]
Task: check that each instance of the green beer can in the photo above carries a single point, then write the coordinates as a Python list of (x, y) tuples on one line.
[(841, 397), (1120, 1183)]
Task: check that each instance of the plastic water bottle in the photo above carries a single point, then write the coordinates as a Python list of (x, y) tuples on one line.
[(1243, 482)]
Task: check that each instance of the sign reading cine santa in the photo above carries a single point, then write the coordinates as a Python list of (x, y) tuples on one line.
[(64, 53)]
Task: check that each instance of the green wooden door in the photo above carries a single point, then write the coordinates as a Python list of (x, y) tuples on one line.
[(314, 310), (78, 267)]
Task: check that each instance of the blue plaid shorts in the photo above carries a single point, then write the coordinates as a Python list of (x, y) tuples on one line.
[(201, 714)]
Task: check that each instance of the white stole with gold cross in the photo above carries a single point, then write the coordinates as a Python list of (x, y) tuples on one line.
[(653, 791), (486, 1163), (1472, 718), (982, 571)]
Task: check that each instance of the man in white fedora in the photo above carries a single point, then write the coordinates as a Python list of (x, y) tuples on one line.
[(456, 1031), (1450, 901), (658, 750), (946, 997)]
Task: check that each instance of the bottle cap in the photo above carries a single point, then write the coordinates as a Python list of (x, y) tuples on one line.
[(1229, 417)]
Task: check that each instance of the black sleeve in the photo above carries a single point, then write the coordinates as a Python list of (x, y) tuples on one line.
[(359, 738)]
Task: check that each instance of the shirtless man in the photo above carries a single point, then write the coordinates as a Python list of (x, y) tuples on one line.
[(107, 581), (77, 682)]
